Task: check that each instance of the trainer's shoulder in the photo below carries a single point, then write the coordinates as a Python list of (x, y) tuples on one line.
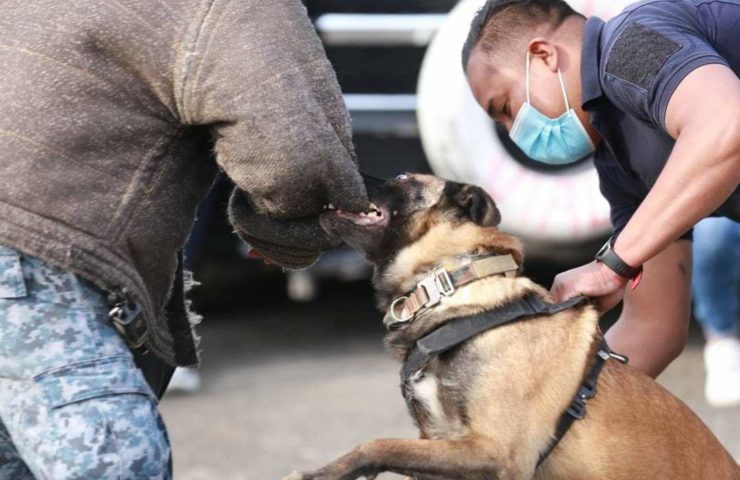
[(637, 47), (647, 29)]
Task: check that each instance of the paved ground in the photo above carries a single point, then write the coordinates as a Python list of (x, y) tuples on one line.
[(293, 386)]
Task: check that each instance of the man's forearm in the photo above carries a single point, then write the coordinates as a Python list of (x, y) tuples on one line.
[(700, 175)]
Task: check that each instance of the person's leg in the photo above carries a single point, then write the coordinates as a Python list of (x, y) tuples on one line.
[(71, 397), (716, 277), (654, 324), (12, 466), (716, 288)]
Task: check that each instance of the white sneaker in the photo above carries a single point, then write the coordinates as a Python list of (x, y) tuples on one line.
[(185, 380), (722, 361)]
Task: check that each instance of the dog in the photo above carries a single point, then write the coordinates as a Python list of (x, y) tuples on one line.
[(494, 405)]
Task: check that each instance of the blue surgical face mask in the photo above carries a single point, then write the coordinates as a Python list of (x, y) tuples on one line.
[(554, 141)]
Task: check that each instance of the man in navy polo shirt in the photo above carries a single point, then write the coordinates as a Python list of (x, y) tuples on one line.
[(654, 94)]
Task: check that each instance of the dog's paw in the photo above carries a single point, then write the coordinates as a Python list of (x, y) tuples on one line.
[(294, 476)]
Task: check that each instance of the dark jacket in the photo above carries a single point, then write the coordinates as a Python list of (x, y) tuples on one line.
[(116, 116)]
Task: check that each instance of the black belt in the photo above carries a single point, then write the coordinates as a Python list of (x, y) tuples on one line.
[(460, 330)]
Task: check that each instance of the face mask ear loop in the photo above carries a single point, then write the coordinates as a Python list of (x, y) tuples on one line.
[(528, 96), (565, 93)]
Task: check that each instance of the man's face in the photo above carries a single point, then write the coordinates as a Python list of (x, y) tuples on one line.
[(500, 86)]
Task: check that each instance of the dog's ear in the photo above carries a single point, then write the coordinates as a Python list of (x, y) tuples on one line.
[(478, 206)]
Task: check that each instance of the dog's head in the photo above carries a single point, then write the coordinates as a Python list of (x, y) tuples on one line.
[(420, 221)]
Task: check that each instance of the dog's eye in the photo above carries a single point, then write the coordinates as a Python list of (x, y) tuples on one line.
[(402, 178)]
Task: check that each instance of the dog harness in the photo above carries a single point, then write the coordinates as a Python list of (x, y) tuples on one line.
[(459, 330)]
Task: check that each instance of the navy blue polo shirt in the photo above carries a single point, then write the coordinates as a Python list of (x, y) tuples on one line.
[(631, 65)]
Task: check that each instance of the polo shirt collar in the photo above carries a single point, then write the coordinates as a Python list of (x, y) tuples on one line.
[(590, 62)]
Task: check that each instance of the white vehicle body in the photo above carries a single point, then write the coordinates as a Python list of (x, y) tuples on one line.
[(556, 212)]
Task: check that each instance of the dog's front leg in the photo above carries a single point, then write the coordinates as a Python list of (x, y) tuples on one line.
[(348, 467), (466, 459)]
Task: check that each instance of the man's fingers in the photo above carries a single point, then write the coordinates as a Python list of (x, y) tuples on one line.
[(560, 290), (256, 254)]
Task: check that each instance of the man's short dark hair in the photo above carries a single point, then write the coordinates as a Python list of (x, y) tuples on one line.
[(501, 20)]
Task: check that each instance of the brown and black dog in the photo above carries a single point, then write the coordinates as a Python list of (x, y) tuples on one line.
[(489, 408)]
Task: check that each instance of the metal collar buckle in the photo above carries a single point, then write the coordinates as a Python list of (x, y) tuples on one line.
[(394, 316), (437, 285)]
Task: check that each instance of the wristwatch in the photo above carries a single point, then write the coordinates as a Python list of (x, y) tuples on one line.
[(607, 256)]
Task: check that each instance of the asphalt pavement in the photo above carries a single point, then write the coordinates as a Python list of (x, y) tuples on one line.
[(292, 386)]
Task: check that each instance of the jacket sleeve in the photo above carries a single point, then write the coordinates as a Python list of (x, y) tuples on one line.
[(257, 73)]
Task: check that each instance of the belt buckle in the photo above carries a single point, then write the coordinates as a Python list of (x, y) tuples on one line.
[(127, 320)]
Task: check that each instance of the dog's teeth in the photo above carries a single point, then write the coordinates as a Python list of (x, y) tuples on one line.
[(375, 210), (331, 207)]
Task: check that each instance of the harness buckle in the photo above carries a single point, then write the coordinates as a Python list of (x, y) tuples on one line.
[(437, 285), (577, 409), (620, 358)]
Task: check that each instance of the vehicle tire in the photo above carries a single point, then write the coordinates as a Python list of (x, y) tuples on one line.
[(549, 208)]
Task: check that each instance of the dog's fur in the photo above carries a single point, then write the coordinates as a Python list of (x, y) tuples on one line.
[(487, 409)]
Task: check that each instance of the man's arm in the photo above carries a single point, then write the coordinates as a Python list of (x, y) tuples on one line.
[(653, 327), (703, 169), (702, 172)]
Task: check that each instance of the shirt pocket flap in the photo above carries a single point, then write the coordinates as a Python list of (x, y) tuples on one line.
[(12, 284), (91, 379)]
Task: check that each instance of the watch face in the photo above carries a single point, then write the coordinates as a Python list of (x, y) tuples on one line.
[(604, 249)]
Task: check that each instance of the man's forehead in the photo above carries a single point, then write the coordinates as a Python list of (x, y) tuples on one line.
[(486, 79)]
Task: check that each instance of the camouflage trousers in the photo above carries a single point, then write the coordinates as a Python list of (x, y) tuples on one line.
[(72, 403)]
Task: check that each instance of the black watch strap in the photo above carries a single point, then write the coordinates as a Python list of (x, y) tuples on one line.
[(607, 256)]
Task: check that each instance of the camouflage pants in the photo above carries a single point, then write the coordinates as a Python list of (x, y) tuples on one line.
[(72, 403)]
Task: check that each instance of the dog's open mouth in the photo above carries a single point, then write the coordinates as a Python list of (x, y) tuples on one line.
[(376, 217)]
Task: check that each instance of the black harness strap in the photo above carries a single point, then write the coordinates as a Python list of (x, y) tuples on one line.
[(577, 409), (460, 330)]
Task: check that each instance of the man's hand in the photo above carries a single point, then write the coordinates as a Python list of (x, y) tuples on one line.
[(594, 280)]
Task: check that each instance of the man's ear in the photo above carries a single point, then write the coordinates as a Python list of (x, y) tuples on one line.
[(478, 206), (544, 50)]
